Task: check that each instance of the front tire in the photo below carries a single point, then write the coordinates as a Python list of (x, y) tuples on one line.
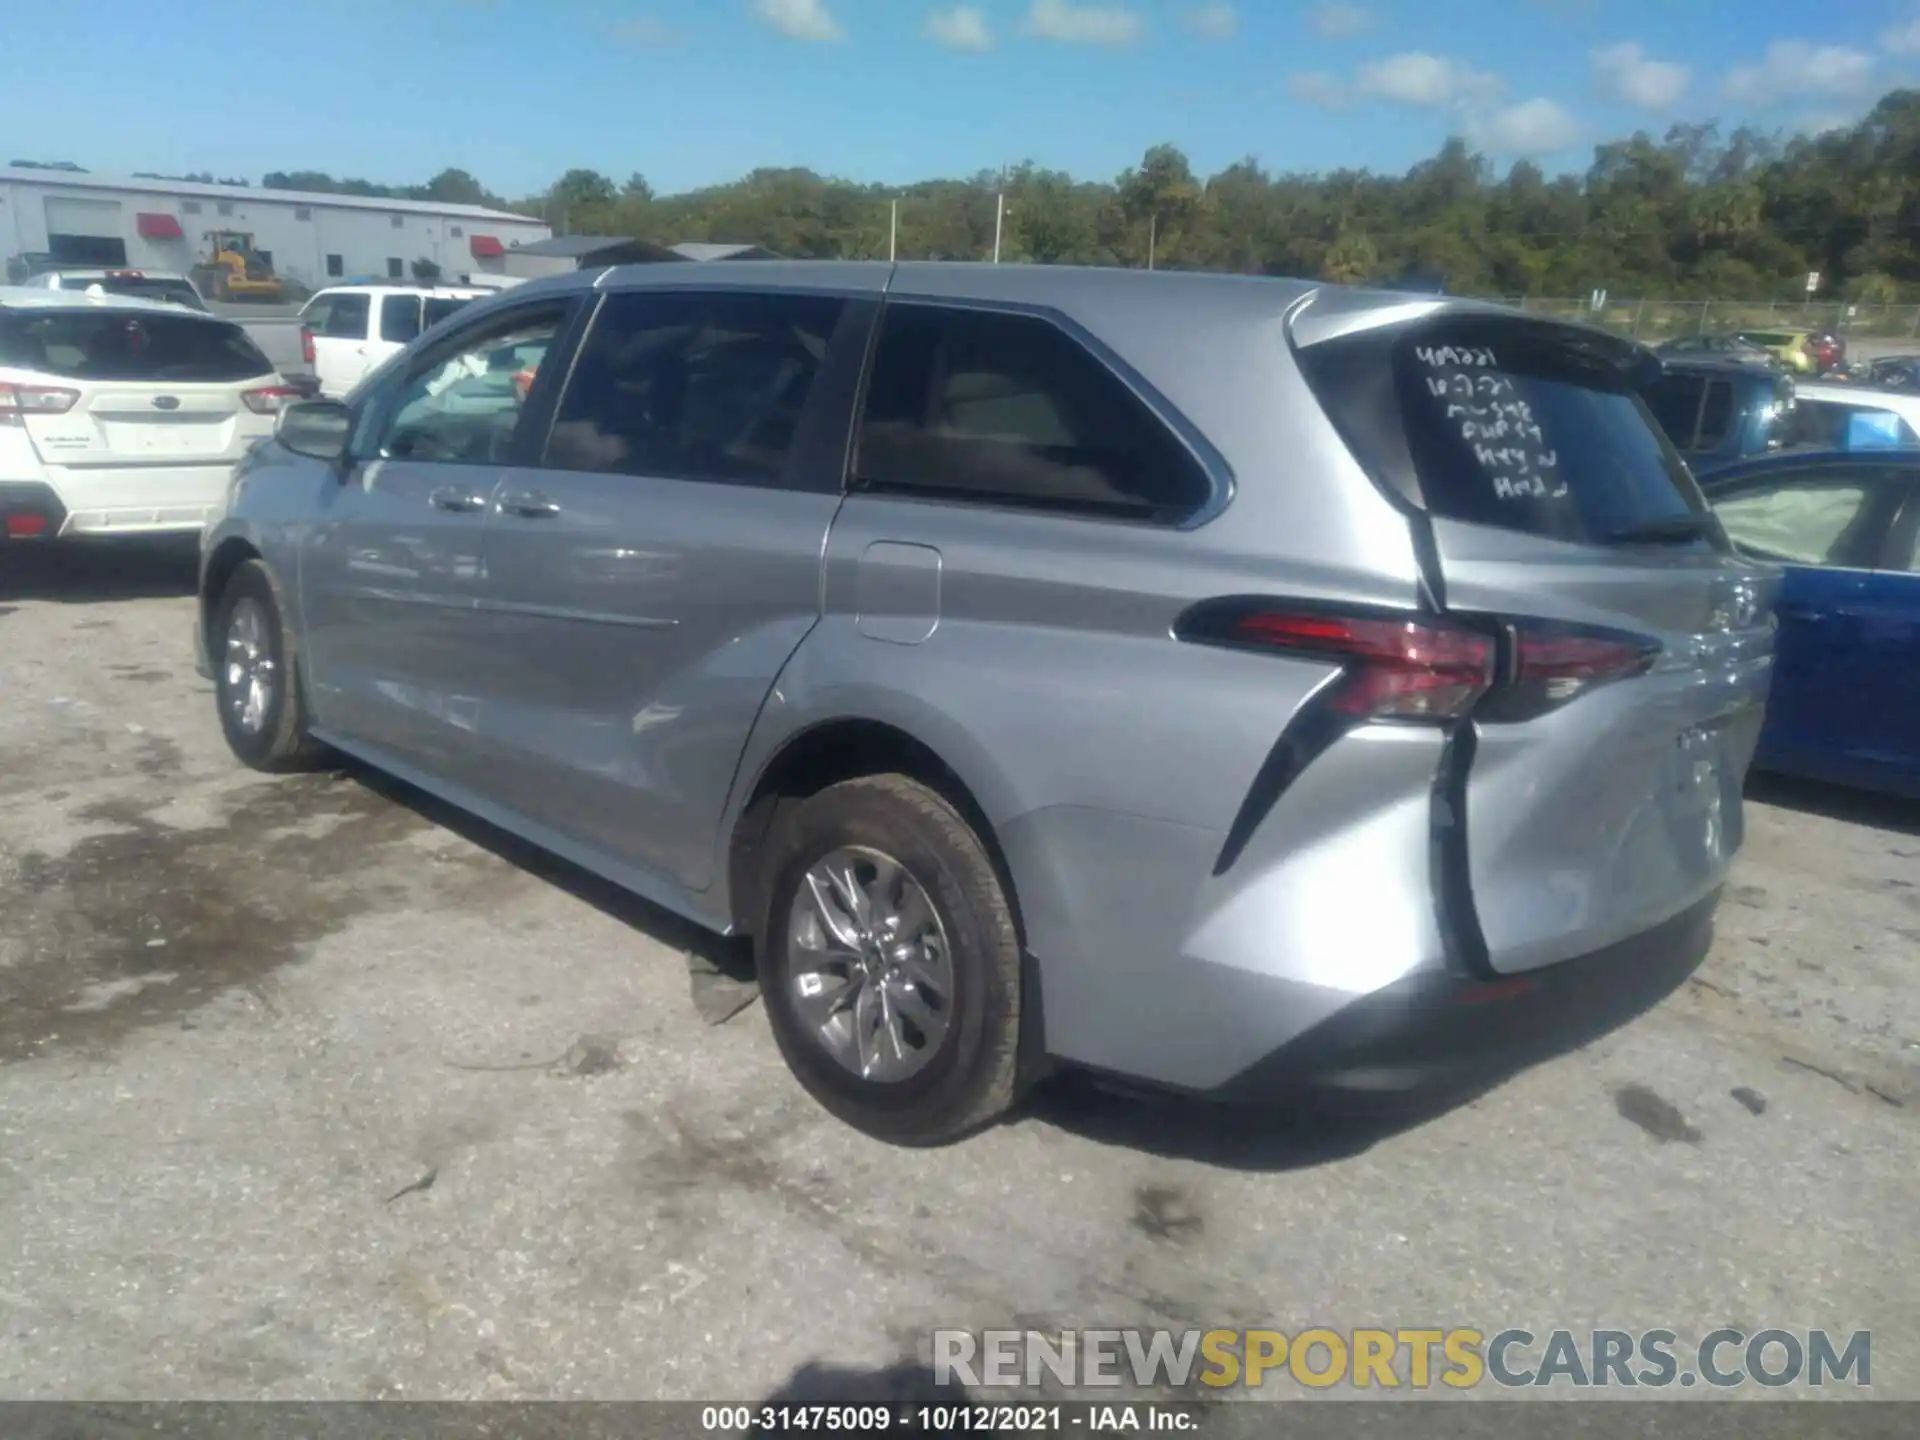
[(256, 685), (890, 963)]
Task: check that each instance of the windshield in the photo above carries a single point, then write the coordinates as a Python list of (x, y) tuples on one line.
[(131, 346)]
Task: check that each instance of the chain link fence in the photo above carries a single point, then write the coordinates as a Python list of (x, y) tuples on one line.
[(1655, 320)]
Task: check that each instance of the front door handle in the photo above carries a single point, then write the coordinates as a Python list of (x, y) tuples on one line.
[(530, 504), (452, 497)]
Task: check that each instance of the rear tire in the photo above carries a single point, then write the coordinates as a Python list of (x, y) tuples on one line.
[(899, 1012), (256, 679)]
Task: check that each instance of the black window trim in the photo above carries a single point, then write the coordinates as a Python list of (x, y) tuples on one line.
[(1213, 465), (537, 417), (822, 455), (1877, 518)]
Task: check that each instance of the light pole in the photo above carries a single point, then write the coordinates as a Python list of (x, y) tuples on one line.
[(1153, 238), (999, 222), (893, 234)]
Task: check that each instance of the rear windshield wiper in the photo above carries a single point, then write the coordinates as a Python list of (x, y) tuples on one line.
[(1669, 529)]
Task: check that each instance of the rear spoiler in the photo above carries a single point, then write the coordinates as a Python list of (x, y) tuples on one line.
[(1335, 312)]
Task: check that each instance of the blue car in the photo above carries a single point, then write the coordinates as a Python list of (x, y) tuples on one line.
[(1845, 706)]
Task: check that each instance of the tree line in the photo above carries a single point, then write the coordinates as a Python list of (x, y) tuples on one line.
[(1693, 213)]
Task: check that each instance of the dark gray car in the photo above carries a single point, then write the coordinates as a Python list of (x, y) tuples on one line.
[(1223, 683)]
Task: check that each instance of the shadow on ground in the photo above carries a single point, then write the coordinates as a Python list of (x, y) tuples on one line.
[(82, 572), (1295, 1132), (1856, 807), (732, 958)]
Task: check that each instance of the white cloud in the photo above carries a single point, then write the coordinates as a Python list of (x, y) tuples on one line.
[(1317, 87), (1218, 21), (1627, 74), (1798, 67), (961, 28), (1336, 20), (1533, 127), (1902, 39), (1416, 78), (800, 19), (1072, 24)]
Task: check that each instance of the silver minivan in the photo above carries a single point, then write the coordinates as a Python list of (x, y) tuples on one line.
[(1235, 685)]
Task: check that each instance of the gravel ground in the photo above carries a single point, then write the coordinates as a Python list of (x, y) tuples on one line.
[(309, 1088)]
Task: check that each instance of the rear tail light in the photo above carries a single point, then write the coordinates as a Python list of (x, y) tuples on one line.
[(271, 399), (306, 345), (1402, 667), (26, 527), (19, 401)]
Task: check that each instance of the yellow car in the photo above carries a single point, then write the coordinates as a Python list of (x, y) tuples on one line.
[(1792, 348)]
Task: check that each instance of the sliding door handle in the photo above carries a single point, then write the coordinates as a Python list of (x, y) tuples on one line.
[(529, 504), (452, 497)]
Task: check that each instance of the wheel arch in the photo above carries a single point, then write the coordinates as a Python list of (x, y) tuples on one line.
[(845, 747), (227, 556)]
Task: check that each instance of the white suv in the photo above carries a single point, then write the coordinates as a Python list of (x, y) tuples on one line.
[(348, 332), (123, 417)]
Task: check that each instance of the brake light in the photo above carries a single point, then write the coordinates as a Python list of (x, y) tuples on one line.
[(270, 399), (1397, 667), (26, 527), (306, 345), (1552, 666), (19, 401), (1407, 667)]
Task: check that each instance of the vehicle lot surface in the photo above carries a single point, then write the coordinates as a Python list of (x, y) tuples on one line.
[(294, 1103)]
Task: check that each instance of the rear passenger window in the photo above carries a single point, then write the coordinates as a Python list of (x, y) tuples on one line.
[(1011, 410), (1805, 520), (399, 318), (693, 386)]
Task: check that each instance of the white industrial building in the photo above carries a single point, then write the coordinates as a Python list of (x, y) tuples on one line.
[(76, 218)]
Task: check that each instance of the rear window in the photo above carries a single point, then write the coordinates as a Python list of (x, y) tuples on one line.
[(118, 345), (1509, 424), (338, 316)]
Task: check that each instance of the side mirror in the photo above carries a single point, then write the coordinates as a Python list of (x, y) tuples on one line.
[(317, 428)]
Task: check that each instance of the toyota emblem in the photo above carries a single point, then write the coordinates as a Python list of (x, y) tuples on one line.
[(166, 402)]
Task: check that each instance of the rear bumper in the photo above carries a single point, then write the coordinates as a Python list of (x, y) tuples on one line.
[(30, 510), (142, 520), (1434, 1033), (141, 500)]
